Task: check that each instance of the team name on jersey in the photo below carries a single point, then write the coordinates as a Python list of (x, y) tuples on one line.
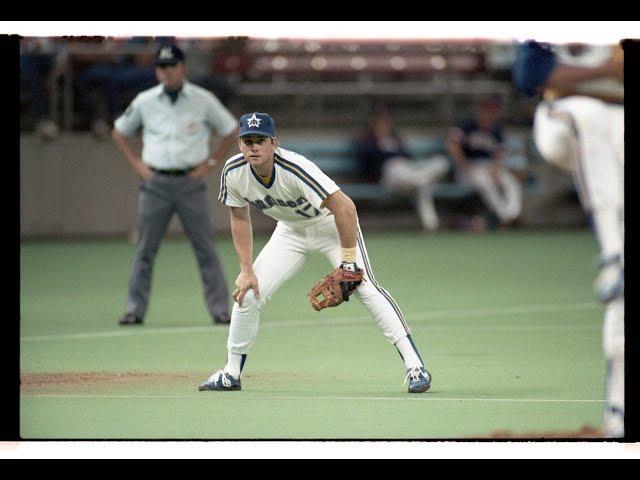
[(302, 205)]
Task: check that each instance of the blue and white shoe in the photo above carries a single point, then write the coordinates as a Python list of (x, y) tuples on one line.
[(613, 426), (419, 379), (220, 381)]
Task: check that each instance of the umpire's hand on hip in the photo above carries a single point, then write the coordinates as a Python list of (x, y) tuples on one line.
[(202, 170), (144, 171)]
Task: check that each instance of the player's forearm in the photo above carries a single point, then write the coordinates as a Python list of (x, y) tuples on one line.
[(460, 161), (457, 155), (346, 218), (453, 145), (242, 233), (565, 77)]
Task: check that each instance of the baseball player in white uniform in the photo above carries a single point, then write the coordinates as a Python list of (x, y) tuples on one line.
[(579, 126), (314, 216)]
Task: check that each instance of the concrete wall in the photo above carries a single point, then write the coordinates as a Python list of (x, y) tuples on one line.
[(78, 186)]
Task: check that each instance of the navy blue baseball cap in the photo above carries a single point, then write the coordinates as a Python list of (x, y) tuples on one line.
[(169, 55), (257, 124)]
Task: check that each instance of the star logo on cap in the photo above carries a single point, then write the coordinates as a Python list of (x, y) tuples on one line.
[(166, 53), (253, 121)]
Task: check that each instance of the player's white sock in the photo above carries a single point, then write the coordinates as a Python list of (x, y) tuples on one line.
[(409, 354), (235, 362), (613, 344), (608, 230)]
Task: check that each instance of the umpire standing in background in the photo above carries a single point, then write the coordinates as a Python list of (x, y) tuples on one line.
[(176, 118)]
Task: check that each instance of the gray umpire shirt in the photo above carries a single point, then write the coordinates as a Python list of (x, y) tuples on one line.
[(175, 135)]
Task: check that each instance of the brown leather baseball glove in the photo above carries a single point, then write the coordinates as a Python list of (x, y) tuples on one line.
[(336, 287)]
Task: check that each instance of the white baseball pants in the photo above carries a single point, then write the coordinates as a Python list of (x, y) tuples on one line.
[(401, 174), (586, 136), (504, 199), (283, 256)]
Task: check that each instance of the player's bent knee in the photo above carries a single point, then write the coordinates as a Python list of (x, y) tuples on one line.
[(396, 335), (366, 291), (249, 303), (554, 144), (555, 151)]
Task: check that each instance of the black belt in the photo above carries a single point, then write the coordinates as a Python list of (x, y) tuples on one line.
[(175, 173)]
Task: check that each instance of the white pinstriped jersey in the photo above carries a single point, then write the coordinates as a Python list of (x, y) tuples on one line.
[(294, 194)]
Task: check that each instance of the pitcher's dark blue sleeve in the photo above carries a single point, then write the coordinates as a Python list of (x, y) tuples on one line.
[(532, 67)]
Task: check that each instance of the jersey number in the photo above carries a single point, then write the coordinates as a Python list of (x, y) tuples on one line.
[(306, 212)]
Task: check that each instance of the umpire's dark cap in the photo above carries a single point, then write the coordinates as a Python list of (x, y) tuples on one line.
[(257, 123), (169, 55)]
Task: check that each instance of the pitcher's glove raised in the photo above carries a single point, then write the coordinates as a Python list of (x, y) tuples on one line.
[(336, 287)]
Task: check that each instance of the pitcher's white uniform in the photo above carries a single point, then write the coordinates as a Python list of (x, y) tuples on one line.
[(295, 198), (584, 134)]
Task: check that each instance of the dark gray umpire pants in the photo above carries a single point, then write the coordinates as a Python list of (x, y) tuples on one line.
[(159, 198)]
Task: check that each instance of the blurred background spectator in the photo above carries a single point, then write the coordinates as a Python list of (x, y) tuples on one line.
[(41, 64), (217, 65), (323, 91), (378, 143), (100, 86), (477, 147), (383, 158)]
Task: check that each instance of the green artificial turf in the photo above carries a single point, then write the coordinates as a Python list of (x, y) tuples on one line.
[(506, 323)]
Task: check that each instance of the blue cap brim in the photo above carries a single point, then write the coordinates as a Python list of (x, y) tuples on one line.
[(256, 132)]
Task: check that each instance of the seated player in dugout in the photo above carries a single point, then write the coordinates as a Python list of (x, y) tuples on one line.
[(314, 216)]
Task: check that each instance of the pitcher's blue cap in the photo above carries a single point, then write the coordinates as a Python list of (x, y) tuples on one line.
[(257, 124)]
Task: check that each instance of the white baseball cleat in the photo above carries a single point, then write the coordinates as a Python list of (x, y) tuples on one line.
[(220, 381), (613, 425), (419, 380)]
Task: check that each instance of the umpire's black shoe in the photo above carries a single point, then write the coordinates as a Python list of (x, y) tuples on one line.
[(130, 319), (223, 319)]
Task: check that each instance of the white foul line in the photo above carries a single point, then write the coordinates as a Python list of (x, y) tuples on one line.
[(424, 315), (236, 396)]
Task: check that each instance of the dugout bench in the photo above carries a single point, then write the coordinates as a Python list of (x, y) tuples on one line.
[(337, 158)]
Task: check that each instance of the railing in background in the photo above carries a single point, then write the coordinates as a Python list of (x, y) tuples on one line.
[(324, 70)]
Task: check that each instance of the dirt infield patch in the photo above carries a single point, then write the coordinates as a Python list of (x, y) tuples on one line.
[(585, 432), (76, 381)]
